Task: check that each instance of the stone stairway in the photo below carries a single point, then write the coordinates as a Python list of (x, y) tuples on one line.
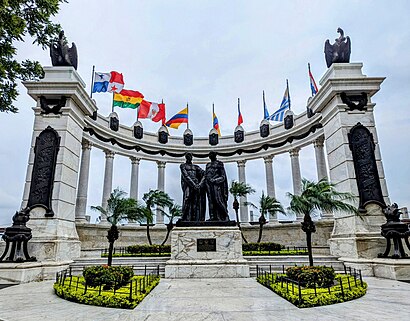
[(268, 263)]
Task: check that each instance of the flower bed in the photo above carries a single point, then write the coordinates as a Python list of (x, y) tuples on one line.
[(346, 287), (105, 288)]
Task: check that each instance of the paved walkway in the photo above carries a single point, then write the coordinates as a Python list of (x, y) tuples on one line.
[(206, 300)]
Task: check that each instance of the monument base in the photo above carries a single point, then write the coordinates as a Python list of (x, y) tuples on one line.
[(206, 252)]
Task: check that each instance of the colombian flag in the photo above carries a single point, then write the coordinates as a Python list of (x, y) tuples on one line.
[(178, 119), (216, 123)]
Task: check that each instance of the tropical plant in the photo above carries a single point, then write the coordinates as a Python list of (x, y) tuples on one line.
[(154, 198), (239, 189), (174, 211), (20, 19), (320, 196), (267, 204), (118, 208)]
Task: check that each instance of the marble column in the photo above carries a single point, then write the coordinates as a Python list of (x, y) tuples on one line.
[(135, 163), (161, 187), (320, 158), (243, 209), (107, 187), (81, 201), (296, 176), (270, 182)]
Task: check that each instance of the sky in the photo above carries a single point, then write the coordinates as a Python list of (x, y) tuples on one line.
[(205, 52)]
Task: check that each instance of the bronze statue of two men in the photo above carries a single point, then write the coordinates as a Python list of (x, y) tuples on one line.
[(197, 185)]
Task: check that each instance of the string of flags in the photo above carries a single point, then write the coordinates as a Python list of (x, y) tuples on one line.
[(113, 82)]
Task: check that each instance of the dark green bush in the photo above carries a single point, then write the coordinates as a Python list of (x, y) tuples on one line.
[(266, 246), (146, 248), (108, 276), (311, 276)]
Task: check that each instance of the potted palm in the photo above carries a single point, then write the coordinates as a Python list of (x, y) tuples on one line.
[(320, 196), (118, 208), (239, 189), (267, 204)]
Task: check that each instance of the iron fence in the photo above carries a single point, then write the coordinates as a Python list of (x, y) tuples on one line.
[(298, 250), (124, 251)]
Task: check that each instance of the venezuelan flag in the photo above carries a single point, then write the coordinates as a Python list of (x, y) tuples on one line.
[(128, 99), (216, 124), (178, 119)]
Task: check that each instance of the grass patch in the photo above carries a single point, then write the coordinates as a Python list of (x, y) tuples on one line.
[(127, 297), (347, 288)]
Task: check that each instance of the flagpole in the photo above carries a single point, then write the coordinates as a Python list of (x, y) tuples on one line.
[(163, 122), (264, 104), (187, 114), (112, 107), (287, 87), (213, 113), (92, 82)]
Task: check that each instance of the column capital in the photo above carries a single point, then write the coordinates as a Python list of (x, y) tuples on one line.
[(135, 160), (109, 153), (319, 142), (294, 152), (86, 144), (161, 164), (268, 158), (241, 163)]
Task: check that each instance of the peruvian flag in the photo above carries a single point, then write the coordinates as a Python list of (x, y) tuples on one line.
[(116, 83), (154, 111)]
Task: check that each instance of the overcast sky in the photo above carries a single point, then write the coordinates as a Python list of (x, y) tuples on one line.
[(216, 51)]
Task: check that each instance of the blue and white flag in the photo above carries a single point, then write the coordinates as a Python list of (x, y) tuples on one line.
[(265, 109), (280, 113), (101, 82)]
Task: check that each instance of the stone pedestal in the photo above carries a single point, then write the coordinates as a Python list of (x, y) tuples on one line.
[(206, 252)]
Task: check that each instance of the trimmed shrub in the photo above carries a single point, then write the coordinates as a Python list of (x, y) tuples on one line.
[(266, 246), (108, 276), (312, 276), (146, 248)]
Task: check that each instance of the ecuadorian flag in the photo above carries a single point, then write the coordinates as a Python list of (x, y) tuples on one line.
[(178, 119)]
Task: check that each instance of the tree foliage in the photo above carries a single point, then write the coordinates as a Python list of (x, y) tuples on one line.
[(19, 19)]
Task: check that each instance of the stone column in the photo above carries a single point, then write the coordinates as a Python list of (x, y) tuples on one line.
[(270, 183), (243, 209), (81, 202), (107, 187), (135, 163), (320, 158), (161, 187), (296, 176)]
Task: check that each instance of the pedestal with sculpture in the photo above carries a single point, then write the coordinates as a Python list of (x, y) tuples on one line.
[(200, 247)]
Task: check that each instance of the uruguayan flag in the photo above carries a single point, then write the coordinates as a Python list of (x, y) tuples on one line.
[(101, 82), (280, 113)]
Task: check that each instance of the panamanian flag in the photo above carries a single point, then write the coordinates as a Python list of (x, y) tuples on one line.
[(112, 82)]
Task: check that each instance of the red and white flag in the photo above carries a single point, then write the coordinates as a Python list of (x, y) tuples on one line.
[(116, 83), (153, 111)]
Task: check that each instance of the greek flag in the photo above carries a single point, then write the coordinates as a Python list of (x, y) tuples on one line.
[(280, 113)]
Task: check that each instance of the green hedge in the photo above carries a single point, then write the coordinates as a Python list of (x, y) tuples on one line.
[(146, 248), (311, 276), (105, 299), (264, 246), (108, 276), (322, 296)]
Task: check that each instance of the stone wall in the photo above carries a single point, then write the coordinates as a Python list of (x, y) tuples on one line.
[(93, 236)]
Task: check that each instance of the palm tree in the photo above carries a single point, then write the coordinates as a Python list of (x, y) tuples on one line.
[(174, 211), (153, 198), (239, 189), (318, 196), (118, 208), (267, 204)]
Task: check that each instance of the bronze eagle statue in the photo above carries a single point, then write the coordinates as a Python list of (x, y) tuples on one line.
[(339, 51), (61, 54)]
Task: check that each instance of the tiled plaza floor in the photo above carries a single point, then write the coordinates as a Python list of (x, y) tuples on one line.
[(206, 300)]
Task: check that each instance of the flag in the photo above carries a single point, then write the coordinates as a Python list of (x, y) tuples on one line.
[(240, 119), (178, 119), (313, 86), (128, 99), (265, 109), (153, 111), (116, 83), (280, 113), (108, 81), (216, 123)]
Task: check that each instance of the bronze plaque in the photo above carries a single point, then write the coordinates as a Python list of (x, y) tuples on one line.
[(206, 245)]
